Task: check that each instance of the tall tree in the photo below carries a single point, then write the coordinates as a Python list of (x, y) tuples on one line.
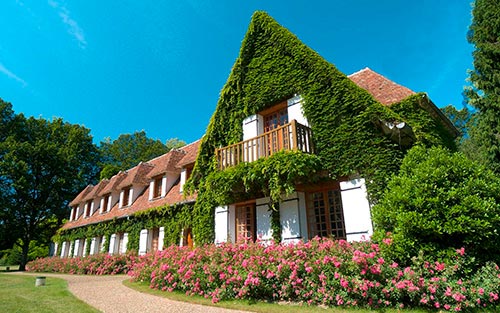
[(43, 165), (484, 94), (129, 149)]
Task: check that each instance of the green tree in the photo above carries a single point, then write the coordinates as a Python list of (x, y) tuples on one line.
[(129, 149), (461, 119), (43, 165), (440, 201), (484, 93)]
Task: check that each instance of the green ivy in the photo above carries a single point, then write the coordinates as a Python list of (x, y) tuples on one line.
[(173, 218), (274, 65)]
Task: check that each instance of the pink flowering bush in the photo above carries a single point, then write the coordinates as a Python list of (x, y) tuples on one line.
[(98, 264), (319, 272)]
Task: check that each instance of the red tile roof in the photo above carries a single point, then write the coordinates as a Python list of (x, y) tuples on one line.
[(81, 196), (137, 175), (166, 163), (171, 161), (113, 183), (140, 204), (95, 191), (191, 153), (382, 89)]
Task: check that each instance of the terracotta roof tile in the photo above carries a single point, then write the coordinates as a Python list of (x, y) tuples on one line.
[(81, 196), (137, 175), (140, 204), (171, 161), (95, 191), (113, 183), (166, 163), (191, 153), (382, 89)]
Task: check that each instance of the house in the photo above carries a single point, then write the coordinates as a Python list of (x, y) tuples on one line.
[(295, 149), (152, 184)]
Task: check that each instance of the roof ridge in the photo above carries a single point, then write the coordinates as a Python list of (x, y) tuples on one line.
[(360, 71)]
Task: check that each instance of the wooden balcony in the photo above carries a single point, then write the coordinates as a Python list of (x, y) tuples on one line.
[(291, 136)]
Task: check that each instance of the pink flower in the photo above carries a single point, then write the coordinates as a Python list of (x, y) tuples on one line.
[(461, 251), (344, 283)]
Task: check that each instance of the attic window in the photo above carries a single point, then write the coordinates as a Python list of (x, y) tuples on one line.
[(88, 207), (126, 196), (105, 203), (157, 187), (73, 213)]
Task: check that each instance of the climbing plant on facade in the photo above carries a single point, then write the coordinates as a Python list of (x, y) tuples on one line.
[(274, 65)]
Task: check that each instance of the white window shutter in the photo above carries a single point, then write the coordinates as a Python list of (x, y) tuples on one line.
[(357, 216), (112, 242), (125, 243), (92, 246), (151, 189), (84, 251), (221, 224), (63, 249), (76, 246), (161, 236), (143, 242), (164, 186)]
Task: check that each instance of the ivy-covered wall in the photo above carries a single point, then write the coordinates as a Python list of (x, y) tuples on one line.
[(173, 218), (274, 65)]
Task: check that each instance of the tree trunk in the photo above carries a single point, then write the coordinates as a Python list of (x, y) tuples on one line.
[(24, 254)]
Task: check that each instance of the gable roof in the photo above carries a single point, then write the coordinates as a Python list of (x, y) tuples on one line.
[(166, 163), (95, 191), (113, 183), (80, 198), (191, 151), (381, 88), (137, 175)]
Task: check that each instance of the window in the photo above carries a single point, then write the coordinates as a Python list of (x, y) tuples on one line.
[(157, 187), (105, 203), (88, 207), (73, 213), (325, 214), (245, 222), (155, 236), (126, 196), (276, 116)]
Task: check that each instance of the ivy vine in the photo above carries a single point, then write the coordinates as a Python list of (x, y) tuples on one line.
[(273, 65)]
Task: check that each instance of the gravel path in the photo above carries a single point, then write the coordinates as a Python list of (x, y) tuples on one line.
[(108, 294)]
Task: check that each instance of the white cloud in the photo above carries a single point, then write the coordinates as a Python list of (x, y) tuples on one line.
[(11, 75), (73, 27)]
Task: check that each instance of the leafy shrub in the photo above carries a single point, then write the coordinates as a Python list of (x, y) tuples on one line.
[(97, 264), (440, 202), (319, 272)]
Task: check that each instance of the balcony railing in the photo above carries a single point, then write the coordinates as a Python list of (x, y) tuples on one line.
[(291, 136)]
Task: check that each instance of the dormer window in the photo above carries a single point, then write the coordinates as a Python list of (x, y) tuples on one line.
[(157, 187), (88, 207), (73, 214), (125, 196), (105, 203)]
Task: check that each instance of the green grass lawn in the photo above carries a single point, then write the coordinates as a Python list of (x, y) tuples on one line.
[(245, 305), (19, 294)]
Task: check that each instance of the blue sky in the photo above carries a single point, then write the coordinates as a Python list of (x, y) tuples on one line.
[(123, 66)]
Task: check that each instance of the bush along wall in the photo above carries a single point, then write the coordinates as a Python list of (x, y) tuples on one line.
[(173, 218), (273, 65), (320, 272)]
